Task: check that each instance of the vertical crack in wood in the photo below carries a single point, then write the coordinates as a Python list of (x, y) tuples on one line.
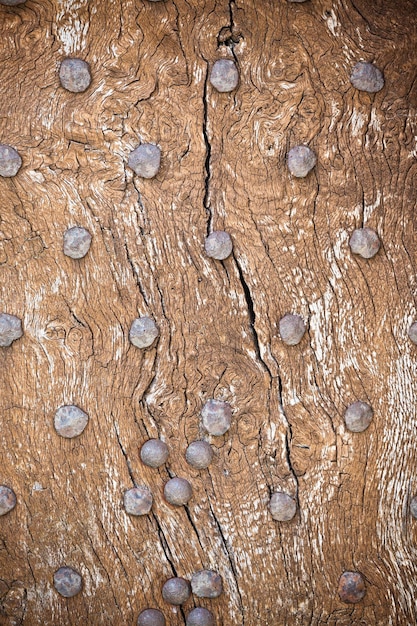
[(288, 440), (252, 317), (207, 162), (141, 207), (167, 552), (252, 322), (142, 421), (129, 467), (164, 544), (231, 24), (161, 534), (288, 436), (362, 215), (233, 40), (190, 519), (230, 558), (135, 274), (144, 403), (228, 36)]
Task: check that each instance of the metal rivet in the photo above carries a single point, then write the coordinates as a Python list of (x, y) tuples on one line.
[(216, 417), (138, 500), (358, 416), (178, 491), (75, 75), (70, 421), (199, 454), (151, 617), (77, 242), (351, 587), (412, 332), (145, 160), (301, 160), (224, 75), (68, 582), (10, 161), (154, 452), (176, 591), (7, 499), (291, 329), (143, 332), (413, 507), (200, 617), (365, 242), (218, 245), (206, 584), (10, 329), (283, 507), (367, 77)]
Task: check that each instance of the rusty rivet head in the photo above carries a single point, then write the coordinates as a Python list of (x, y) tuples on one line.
[(10, 329), (68, 582), (301, 160), (218, 245), (351, 587), (176, 591), (143, 332), (224, 75), (365, 242), (283, 507), (151, 617), (291, 329), (10, 161), (412, 332), (367, 77), (154, 452), (216, 417), (199, 454), (70, 421), (206, 584), (200, 617), (77, 242), (7, 499), (75, 75), (178, 491), (138, 500), (145, 160), (358, 416), (413, 507)]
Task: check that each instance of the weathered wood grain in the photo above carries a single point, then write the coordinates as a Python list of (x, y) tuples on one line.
[(223, 167)]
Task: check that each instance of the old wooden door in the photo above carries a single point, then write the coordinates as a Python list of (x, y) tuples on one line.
[(223, 167)]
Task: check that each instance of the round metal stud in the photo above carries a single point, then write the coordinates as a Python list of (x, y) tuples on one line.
[(216, 417), (351, 587), (283, 507), (138, 500), (70, 421), (67, 582)]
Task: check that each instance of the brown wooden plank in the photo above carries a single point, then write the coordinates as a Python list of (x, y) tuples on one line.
[(223, 167)]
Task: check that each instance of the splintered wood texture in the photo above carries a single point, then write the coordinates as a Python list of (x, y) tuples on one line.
[(223, 167)]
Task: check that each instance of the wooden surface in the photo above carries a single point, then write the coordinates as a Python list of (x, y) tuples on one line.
[(223, 167)]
